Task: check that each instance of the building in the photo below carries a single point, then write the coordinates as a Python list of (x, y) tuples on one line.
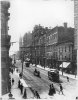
[(20, 47), (76, 34), (38, 45), (27, 41), (5, 45), (51, 47), (59, 45)]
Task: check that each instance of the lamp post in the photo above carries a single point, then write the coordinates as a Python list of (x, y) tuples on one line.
[(22, 62), (14, 59), (23, 52), (62, 68), (35, 55)]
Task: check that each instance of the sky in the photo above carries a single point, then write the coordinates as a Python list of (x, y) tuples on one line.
[(25, 14)]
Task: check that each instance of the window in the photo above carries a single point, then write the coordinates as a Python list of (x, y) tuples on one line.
[(62, 49), (65, 57), (69, 56), (59, 49), (65, 48), (59, 57), (62, 57), (69, 48)]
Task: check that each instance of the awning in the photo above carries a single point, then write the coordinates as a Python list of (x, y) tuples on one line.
[(23, 83), (65, 64), (27, 59)]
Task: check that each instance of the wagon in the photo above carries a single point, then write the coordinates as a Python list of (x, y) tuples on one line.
[(37, 73)]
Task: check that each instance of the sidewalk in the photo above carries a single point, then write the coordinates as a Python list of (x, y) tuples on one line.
[(16, 91)]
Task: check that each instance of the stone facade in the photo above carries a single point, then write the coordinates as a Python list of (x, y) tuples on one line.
[(5, 45)]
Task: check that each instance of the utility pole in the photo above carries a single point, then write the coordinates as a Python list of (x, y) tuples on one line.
[(62, 68), (35, 55), (14, 59), (22, 62)]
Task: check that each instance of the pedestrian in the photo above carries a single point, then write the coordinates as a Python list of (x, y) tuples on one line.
[(10, 95), (61, 89), (12, 81), (34, 92), (67, 79), (25, 94), (49, 90), (20, 75), (12, 71), (9, 85), (17, 70), (77, 98), (19, 84), (37, 95), (21, 88), (53, 89)]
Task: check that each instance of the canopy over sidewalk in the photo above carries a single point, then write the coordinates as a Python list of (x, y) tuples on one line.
[(23, 83), (65, 64)]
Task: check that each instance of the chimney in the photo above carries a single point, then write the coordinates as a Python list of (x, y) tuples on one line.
[(65, 26)]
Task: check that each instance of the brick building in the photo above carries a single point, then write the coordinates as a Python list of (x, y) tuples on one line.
[(38, 44), (59, 45), (5, 45)]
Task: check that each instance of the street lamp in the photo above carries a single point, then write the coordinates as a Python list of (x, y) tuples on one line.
[(35, 55), (22, 62), (14, 59), (62, 68)]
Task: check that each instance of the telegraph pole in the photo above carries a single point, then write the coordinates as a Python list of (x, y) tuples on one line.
[(22, 62), (14, 59), (62, 68)]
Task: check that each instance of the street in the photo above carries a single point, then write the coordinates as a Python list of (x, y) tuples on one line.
[(38, 50), (42, 84)]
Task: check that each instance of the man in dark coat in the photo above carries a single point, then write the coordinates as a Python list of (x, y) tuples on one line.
[(61, 89), (12, 81), (21, 88), (25, 94), (37, 95), (19, 84), (10, 95), (53, 89), (67, 79)]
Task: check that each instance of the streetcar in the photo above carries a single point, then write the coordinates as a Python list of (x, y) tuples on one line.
[(27, 64), (53, 75)]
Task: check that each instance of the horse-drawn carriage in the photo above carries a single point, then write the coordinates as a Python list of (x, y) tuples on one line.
[(37, 73)]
